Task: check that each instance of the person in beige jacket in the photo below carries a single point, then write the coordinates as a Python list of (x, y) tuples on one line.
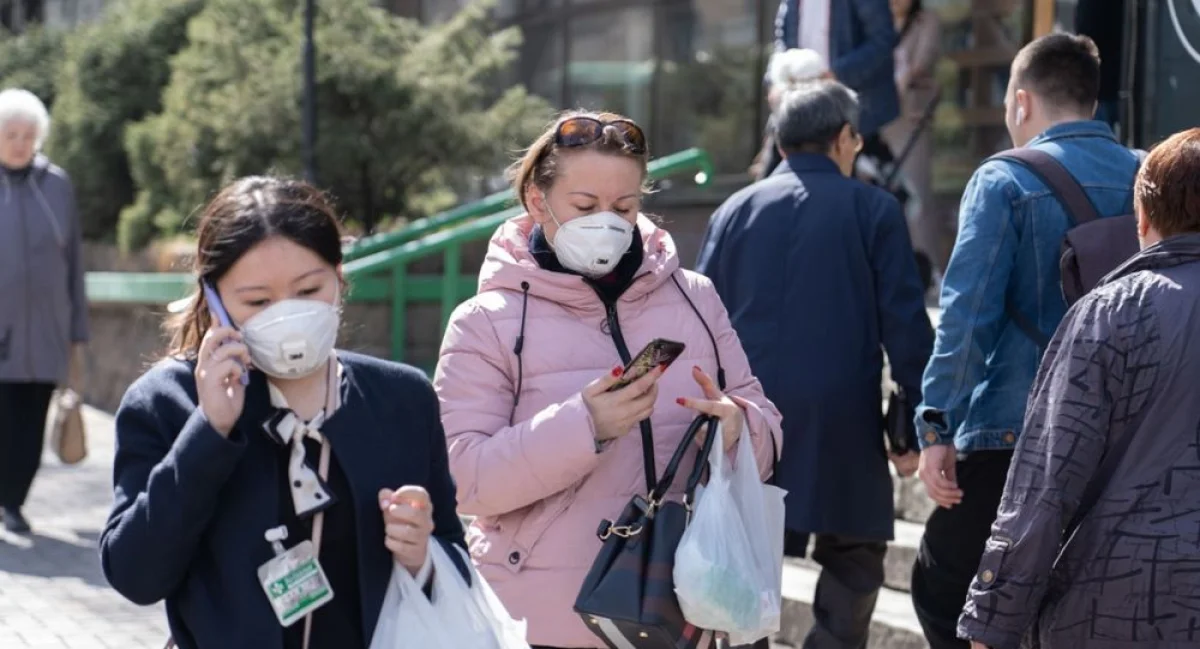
[(916, 58)]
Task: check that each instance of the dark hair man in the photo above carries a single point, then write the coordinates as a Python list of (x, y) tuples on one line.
[(1005, 262)]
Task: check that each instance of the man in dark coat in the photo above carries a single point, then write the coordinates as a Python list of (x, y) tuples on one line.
[(817, 272), (1109, 458)]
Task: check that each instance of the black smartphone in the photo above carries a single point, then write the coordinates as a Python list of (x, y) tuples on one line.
[(655, 353)]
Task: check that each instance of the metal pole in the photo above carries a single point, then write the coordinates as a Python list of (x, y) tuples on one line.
[(310, 93)]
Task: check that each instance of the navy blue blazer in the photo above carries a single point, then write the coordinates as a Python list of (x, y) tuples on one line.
[(819, 278), (861, 39), (191, 506)]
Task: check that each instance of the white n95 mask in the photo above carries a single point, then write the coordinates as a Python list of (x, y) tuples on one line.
[(591, 245), (292, 338)]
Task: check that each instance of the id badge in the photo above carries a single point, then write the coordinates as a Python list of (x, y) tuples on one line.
[(294, 583)]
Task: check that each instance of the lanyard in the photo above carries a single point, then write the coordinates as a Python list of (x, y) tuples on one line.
[(332, 401)]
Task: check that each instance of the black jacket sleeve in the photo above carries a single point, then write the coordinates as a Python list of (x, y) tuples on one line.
[(169, 469), (447, 527), (904, 322)]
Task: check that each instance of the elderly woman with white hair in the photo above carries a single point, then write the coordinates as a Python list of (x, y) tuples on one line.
[(43, 317)]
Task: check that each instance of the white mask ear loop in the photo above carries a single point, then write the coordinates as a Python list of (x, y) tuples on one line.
[(549, 210)]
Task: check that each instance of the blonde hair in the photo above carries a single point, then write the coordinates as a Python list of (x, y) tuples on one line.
[(539, 166)]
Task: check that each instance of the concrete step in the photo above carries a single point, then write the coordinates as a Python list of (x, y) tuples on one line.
[(894, 625), (897, 565)]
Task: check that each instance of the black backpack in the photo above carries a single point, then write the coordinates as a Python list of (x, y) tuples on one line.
[(1093, 245)]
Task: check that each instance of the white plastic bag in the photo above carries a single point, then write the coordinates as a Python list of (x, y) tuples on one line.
[(729, 564), (457, 616)]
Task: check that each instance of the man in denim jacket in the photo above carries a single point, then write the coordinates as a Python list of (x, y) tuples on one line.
[(975, 387)]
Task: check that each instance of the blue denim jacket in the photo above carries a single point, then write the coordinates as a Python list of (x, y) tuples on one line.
[(1010, 234)]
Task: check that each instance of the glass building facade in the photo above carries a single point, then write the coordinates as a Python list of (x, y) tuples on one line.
[(690, 71)]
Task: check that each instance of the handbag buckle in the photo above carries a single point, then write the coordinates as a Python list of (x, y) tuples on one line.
[(623, 531)]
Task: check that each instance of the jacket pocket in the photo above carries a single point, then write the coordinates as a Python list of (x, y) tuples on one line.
[(530, 530)]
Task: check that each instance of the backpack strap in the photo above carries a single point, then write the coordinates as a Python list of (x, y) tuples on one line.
[(1058, 180), (1070, 195)]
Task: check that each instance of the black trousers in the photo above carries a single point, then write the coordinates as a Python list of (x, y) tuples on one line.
[(22, 430), (851, 576), (953, 545)]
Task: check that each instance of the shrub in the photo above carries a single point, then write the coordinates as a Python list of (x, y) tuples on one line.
[(31, 61), (113, 74), (404, 111)]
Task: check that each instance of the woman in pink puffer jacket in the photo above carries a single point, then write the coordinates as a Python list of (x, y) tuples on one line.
[(541, 453)]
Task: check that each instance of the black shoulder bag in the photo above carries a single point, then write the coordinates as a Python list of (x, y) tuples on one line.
[(628, 597)]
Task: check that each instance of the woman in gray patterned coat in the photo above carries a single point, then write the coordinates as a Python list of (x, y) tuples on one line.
[(1096, 544), (43, 309)]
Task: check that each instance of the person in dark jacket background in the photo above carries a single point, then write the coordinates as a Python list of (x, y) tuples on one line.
[(1104, 22), (314, 445), (44, 322), (1109, 458), (856, 39), (817, 272)]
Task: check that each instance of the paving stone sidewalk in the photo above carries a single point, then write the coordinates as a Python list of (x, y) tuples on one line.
[(52, 593)]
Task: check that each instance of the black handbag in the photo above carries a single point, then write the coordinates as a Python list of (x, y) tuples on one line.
[(628, 597), (899, 425)]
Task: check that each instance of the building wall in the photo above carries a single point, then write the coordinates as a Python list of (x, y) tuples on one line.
[(65, 14)]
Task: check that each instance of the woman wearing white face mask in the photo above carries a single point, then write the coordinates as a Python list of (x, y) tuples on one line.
[(262, 431), (540, 449)]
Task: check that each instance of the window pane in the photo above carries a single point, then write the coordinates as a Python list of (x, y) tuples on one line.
[(610, 63), (979, 40), (541, 60), (709, 85)]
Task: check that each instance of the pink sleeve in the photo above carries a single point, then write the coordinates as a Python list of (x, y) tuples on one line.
[(762, 418), (499, 467)]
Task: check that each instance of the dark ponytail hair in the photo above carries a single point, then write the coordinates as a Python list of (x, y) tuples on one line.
[(242, 215)]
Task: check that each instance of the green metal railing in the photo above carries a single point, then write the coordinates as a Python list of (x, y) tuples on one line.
[(485, 206), (379, 272)]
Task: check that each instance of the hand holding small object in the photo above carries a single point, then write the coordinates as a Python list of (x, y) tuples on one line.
[(408, 524)]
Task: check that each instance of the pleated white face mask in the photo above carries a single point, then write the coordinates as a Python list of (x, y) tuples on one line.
[(292, 338), (591, 245)]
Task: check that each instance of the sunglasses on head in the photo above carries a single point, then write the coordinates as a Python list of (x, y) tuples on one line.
[(582, 131)]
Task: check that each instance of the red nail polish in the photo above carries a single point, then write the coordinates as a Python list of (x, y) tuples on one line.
[(664, 366), (616, 371), (697, 368), (681, 401)]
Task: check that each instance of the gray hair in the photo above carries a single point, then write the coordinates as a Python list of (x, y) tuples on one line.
[(811, 115), (19, 105)]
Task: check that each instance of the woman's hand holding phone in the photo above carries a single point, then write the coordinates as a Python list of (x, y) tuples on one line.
[(219, 369), (616, 413)]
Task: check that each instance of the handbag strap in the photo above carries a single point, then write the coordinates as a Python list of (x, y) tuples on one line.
[(721, 371), (689, 494), (668, 477)]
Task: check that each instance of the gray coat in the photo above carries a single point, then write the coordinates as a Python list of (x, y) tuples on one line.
[(43, 307), (1124, 364)]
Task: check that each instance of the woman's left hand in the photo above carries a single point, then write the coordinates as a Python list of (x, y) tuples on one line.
[(408, 524), (719, 405)]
